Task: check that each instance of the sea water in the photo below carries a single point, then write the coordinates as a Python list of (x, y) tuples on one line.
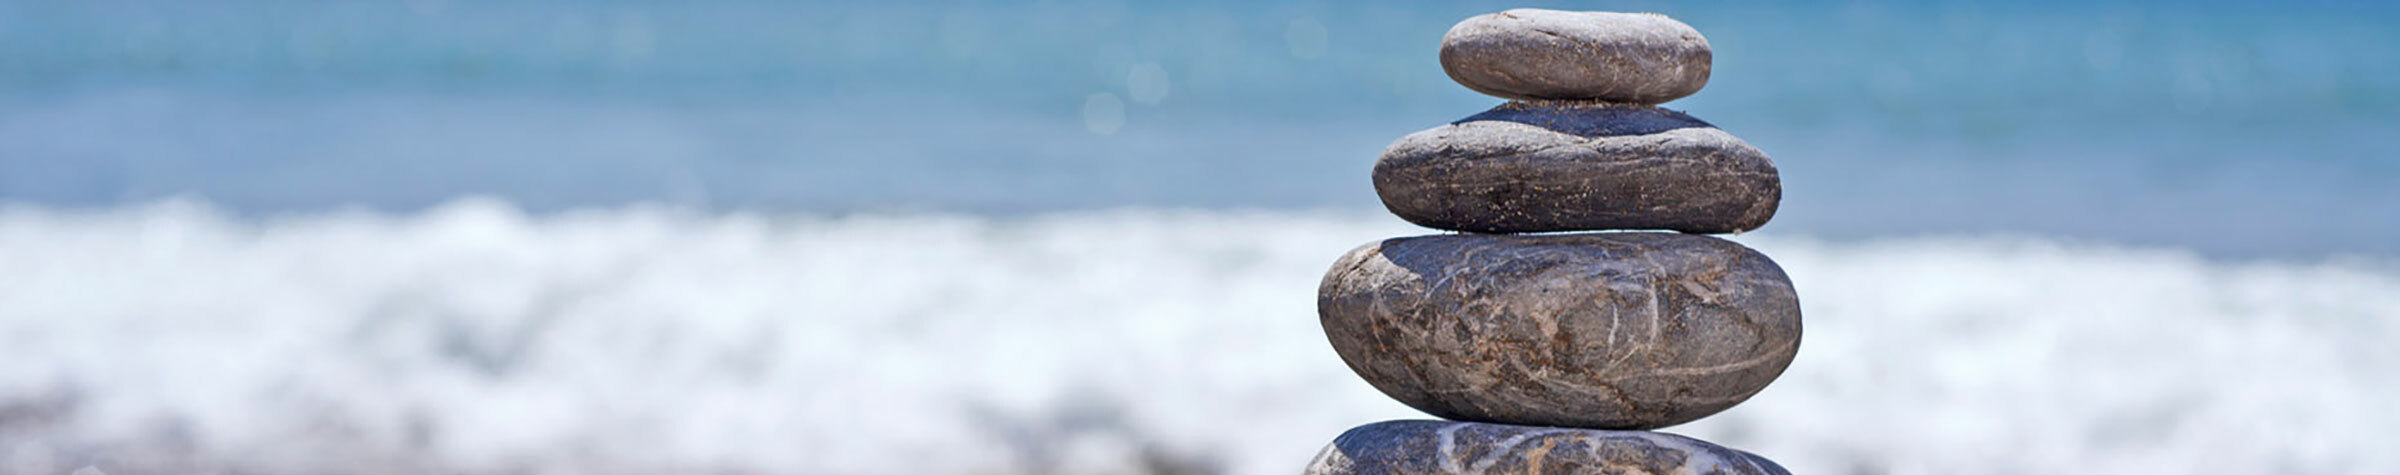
[(1083, 237), (2235, 128), (478, 337)]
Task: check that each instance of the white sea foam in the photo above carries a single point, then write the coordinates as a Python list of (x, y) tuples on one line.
[(476, 338)]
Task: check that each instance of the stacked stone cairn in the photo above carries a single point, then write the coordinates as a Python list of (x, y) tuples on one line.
[(1557, 352)]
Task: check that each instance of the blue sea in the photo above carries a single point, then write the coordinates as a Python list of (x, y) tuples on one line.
[(1083, 236), (2234, 128)]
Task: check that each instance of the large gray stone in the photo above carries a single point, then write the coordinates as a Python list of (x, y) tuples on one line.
[(1429, 447), (1529, 53), (1590, 330), (1540, 167)]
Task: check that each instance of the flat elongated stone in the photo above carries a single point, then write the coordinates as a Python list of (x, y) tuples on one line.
[(1528, 167), (1529, 53), (1428, 447), (1589, 330)]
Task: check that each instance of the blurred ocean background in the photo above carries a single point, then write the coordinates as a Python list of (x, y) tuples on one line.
[(1084, 237)]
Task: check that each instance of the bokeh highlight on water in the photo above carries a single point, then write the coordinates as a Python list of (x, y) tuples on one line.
[(2234, 127)]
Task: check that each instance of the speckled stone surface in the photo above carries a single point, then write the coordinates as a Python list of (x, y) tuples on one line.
[(1531, 53), (1541, 167), (1589, 330), (1429, 447)]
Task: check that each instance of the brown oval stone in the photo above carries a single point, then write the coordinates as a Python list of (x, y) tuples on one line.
[(1542, 167), (1414, 447), (1591, 330), (1530, 53)]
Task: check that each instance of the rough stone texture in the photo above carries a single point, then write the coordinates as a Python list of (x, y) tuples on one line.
[(1591, 330), (1540, 167), (1531, 53), (1425, 447)]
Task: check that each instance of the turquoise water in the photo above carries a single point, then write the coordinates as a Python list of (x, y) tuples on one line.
[(2231, 127)]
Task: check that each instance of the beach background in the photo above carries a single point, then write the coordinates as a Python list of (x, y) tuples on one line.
[(1084, 237)]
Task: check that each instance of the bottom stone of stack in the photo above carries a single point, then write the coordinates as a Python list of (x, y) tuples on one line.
[(1426, 447)]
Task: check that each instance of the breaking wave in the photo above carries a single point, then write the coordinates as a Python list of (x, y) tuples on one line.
[(474, 337)]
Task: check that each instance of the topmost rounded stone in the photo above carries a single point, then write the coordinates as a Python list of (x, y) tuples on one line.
[(1535, 54)]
